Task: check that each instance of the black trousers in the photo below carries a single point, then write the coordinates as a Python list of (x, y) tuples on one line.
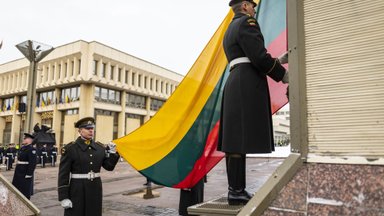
[(235, 171), (191, 197)]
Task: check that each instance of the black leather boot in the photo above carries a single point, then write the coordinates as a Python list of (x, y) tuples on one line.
[(237, 195)]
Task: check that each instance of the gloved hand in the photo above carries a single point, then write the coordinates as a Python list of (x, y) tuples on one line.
[(28, 176), (285, 78), (283, 59), (66, 203), (112, 147)]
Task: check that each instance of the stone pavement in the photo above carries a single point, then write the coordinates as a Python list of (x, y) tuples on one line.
[(121, 188)]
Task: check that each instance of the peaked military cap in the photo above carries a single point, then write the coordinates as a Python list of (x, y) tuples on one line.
[(28, 135), (87, 122), (232, 2)]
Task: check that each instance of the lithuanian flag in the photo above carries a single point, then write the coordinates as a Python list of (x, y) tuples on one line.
[(177, 147)]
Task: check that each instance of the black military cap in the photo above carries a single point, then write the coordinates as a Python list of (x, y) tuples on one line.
[(87, 122), (232, 2), (27, 135)]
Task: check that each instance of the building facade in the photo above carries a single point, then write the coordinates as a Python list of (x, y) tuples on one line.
[(82, 79)]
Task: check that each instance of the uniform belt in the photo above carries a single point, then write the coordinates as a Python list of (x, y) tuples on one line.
[(90, 176), (239, 61), (9, 153), (22, 162)]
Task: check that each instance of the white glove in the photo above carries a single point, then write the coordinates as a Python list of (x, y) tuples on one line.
[(285, 78), (283, 59), (112, 147), (28, 176), (66, 203)]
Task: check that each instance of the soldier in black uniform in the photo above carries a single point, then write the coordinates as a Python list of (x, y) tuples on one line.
[(10, 154), (25, 167), (53, 155), (245, 121), (1, 153), (79, 183), (44, 155)]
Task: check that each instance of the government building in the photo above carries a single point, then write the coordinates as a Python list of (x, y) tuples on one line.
[(83, 79)]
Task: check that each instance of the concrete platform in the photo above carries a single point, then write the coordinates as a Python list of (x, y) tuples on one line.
[(121, 186)]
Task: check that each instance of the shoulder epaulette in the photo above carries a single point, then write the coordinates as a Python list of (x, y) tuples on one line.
[(65, 148), (100, 144)]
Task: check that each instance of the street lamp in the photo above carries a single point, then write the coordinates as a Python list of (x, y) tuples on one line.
[(34, 52)]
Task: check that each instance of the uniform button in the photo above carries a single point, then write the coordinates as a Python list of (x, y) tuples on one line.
[(89, 147), (90, 155), (90, 162)]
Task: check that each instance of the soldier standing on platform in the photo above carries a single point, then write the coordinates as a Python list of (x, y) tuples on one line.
[(245, 121), (79, 183), (25, 167)]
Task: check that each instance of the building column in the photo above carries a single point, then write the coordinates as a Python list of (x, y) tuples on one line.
[(108, 71), (122, 120), (56, 122), (55, 75), (49, 74), (99, 65), (74, 69), (148, 108), (2, 126), (16, 121), (86, 106)]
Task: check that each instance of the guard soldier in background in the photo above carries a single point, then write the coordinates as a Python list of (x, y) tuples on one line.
[(79, 183), (10, 156), (25, 167), (53, 155), (1, 153), (246, 118), (44, 155)]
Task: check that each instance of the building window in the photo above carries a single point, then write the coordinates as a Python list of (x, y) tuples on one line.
[(59, 71), (126, 76), (119, 75), (145, 82), (79, 66), (46, 98), (72, 68), (166, 88), (107, 95), (133, 78), (139, 80), (8, 104), (95, 63), (151, 84), (161, 87), (136, 101), (157, 85), (65, 69), (70, 94), (53, 72), (112, 72), (156, 104), (103, 69)]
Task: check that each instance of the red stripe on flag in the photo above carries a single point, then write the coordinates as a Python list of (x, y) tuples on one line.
[(206, 162)]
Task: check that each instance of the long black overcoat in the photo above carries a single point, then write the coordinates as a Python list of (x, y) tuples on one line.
[(246, 121), (80, 158), (24, 185)]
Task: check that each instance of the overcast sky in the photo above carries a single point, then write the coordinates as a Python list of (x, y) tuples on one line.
[(168, 33)]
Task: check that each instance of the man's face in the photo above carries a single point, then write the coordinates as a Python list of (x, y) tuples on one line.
[(86, 133), (27, 140), (248, 7)]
